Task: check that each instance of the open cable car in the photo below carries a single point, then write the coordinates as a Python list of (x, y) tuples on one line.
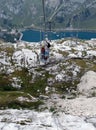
[(45, 49), (45, 44)]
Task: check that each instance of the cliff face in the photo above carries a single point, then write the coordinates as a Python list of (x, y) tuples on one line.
[(72, 13)]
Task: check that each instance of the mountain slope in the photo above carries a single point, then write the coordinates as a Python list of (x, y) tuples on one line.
[(72, 13)]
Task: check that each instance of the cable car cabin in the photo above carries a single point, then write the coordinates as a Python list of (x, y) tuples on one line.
[(45, 52)]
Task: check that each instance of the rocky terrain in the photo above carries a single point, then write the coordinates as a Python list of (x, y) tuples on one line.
[(58, 95)]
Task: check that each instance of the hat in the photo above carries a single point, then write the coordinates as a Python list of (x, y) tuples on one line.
[(43, 44)]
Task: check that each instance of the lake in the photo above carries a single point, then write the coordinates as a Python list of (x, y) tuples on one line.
[(37, 36)]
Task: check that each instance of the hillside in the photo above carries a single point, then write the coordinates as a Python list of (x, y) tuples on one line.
[(58, 95), (21, 69), (72, 13)]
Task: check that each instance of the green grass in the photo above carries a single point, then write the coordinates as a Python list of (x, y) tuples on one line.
[(9, 51), (27, 85), (34, 87), (9, 95), (9, 100), (64, 87), (80, 62), (64, 53), (93, 67), (38, 86), (24, 76), (5, 83)]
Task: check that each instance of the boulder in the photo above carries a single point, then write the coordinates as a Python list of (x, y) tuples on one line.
[(87, 85)]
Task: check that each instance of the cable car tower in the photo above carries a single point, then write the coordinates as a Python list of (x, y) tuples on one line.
[(44, 18), (49, 20)]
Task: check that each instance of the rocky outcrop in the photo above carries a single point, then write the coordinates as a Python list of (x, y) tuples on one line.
[(87, 85)]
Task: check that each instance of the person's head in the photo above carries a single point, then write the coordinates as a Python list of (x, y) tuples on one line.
[(46, 39), (43, 44)]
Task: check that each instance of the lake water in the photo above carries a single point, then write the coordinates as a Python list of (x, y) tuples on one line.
[(36, 36)]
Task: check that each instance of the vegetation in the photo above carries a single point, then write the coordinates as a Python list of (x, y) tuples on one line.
[(27, 87), (10, 100), (41, 81)]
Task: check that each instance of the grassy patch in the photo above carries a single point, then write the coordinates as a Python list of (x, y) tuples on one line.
[(30, 105), (93, 68), (9, 100), (52, 109), (34, 87), (39, 85), (9, 51), (24, 76), (81, 63), (8, 97), (64, 53), (66, 87), (39, 69), (5, 83)]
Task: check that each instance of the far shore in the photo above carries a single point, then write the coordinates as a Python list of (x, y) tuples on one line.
[(59, 29)]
